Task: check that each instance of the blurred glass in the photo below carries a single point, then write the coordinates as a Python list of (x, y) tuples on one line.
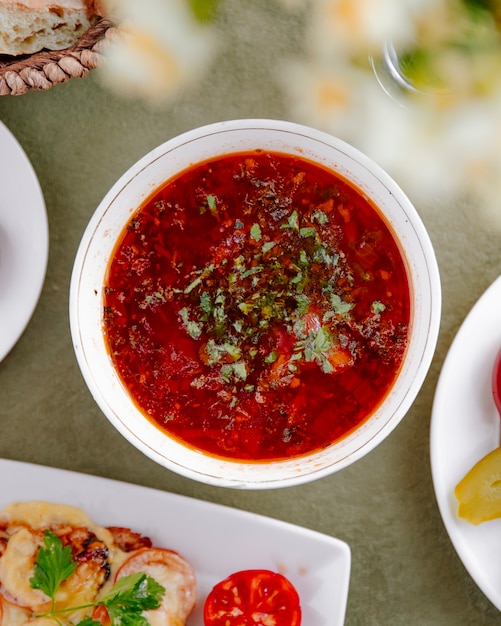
[(454, 54)]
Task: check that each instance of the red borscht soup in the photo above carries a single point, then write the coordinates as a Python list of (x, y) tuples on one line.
[(257, 307)]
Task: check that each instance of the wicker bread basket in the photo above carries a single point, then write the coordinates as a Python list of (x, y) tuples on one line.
[(43, 70)]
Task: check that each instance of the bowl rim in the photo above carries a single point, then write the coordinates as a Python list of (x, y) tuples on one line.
[(283, 474)]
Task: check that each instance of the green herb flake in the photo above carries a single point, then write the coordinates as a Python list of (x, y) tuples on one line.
[(297, 278), (300, 328), (327, 366), (340, 306), (212, 204), (193, 284), (205, 302), (302, 303), (308, 231), (323, 340), (252, 271), (304, 261), (255, 232), (198, 280), (240, 370), (221, 352), (231, 350), (233, 402), (292, 221), (152, 299), (266, 247), (194, 329), (321, 255), (320, 217), (317, 344), (271, 357), (377, 307), (226, 372)]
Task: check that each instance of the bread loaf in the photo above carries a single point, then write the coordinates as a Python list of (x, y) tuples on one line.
[(28, 26)]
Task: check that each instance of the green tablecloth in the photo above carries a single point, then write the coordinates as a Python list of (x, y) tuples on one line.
[(80, 137)]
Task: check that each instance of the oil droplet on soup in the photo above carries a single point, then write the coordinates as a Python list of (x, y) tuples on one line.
[(257, 307)]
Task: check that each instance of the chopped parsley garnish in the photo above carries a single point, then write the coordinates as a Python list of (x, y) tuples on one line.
[(296, 284)]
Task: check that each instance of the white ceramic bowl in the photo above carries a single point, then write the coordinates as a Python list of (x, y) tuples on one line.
[(138, 183)]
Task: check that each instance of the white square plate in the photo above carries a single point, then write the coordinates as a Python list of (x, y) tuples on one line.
[(216, 540)]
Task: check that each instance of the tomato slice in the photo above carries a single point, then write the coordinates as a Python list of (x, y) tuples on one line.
[(170, 570), (253, 598)]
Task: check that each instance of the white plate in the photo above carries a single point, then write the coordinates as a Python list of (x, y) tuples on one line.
[(24, 241), (216, 540), (465, 427)]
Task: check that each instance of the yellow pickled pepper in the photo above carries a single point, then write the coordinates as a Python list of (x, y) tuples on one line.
[(479, 492)]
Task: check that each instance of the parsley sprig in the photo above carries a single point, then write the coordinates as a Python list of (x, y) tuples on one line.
[(125, 602), (54, 565)]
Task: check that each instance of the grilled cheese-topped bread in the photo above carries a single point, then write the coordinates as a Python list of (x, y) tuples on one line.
[(102, 556)]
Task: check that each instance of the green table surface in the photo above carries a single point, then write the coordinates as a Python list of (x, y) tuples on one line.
[(80, 137)]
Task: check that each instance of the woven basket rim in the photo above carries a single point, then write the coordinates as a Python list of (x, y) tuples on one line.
[(42, 70)]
